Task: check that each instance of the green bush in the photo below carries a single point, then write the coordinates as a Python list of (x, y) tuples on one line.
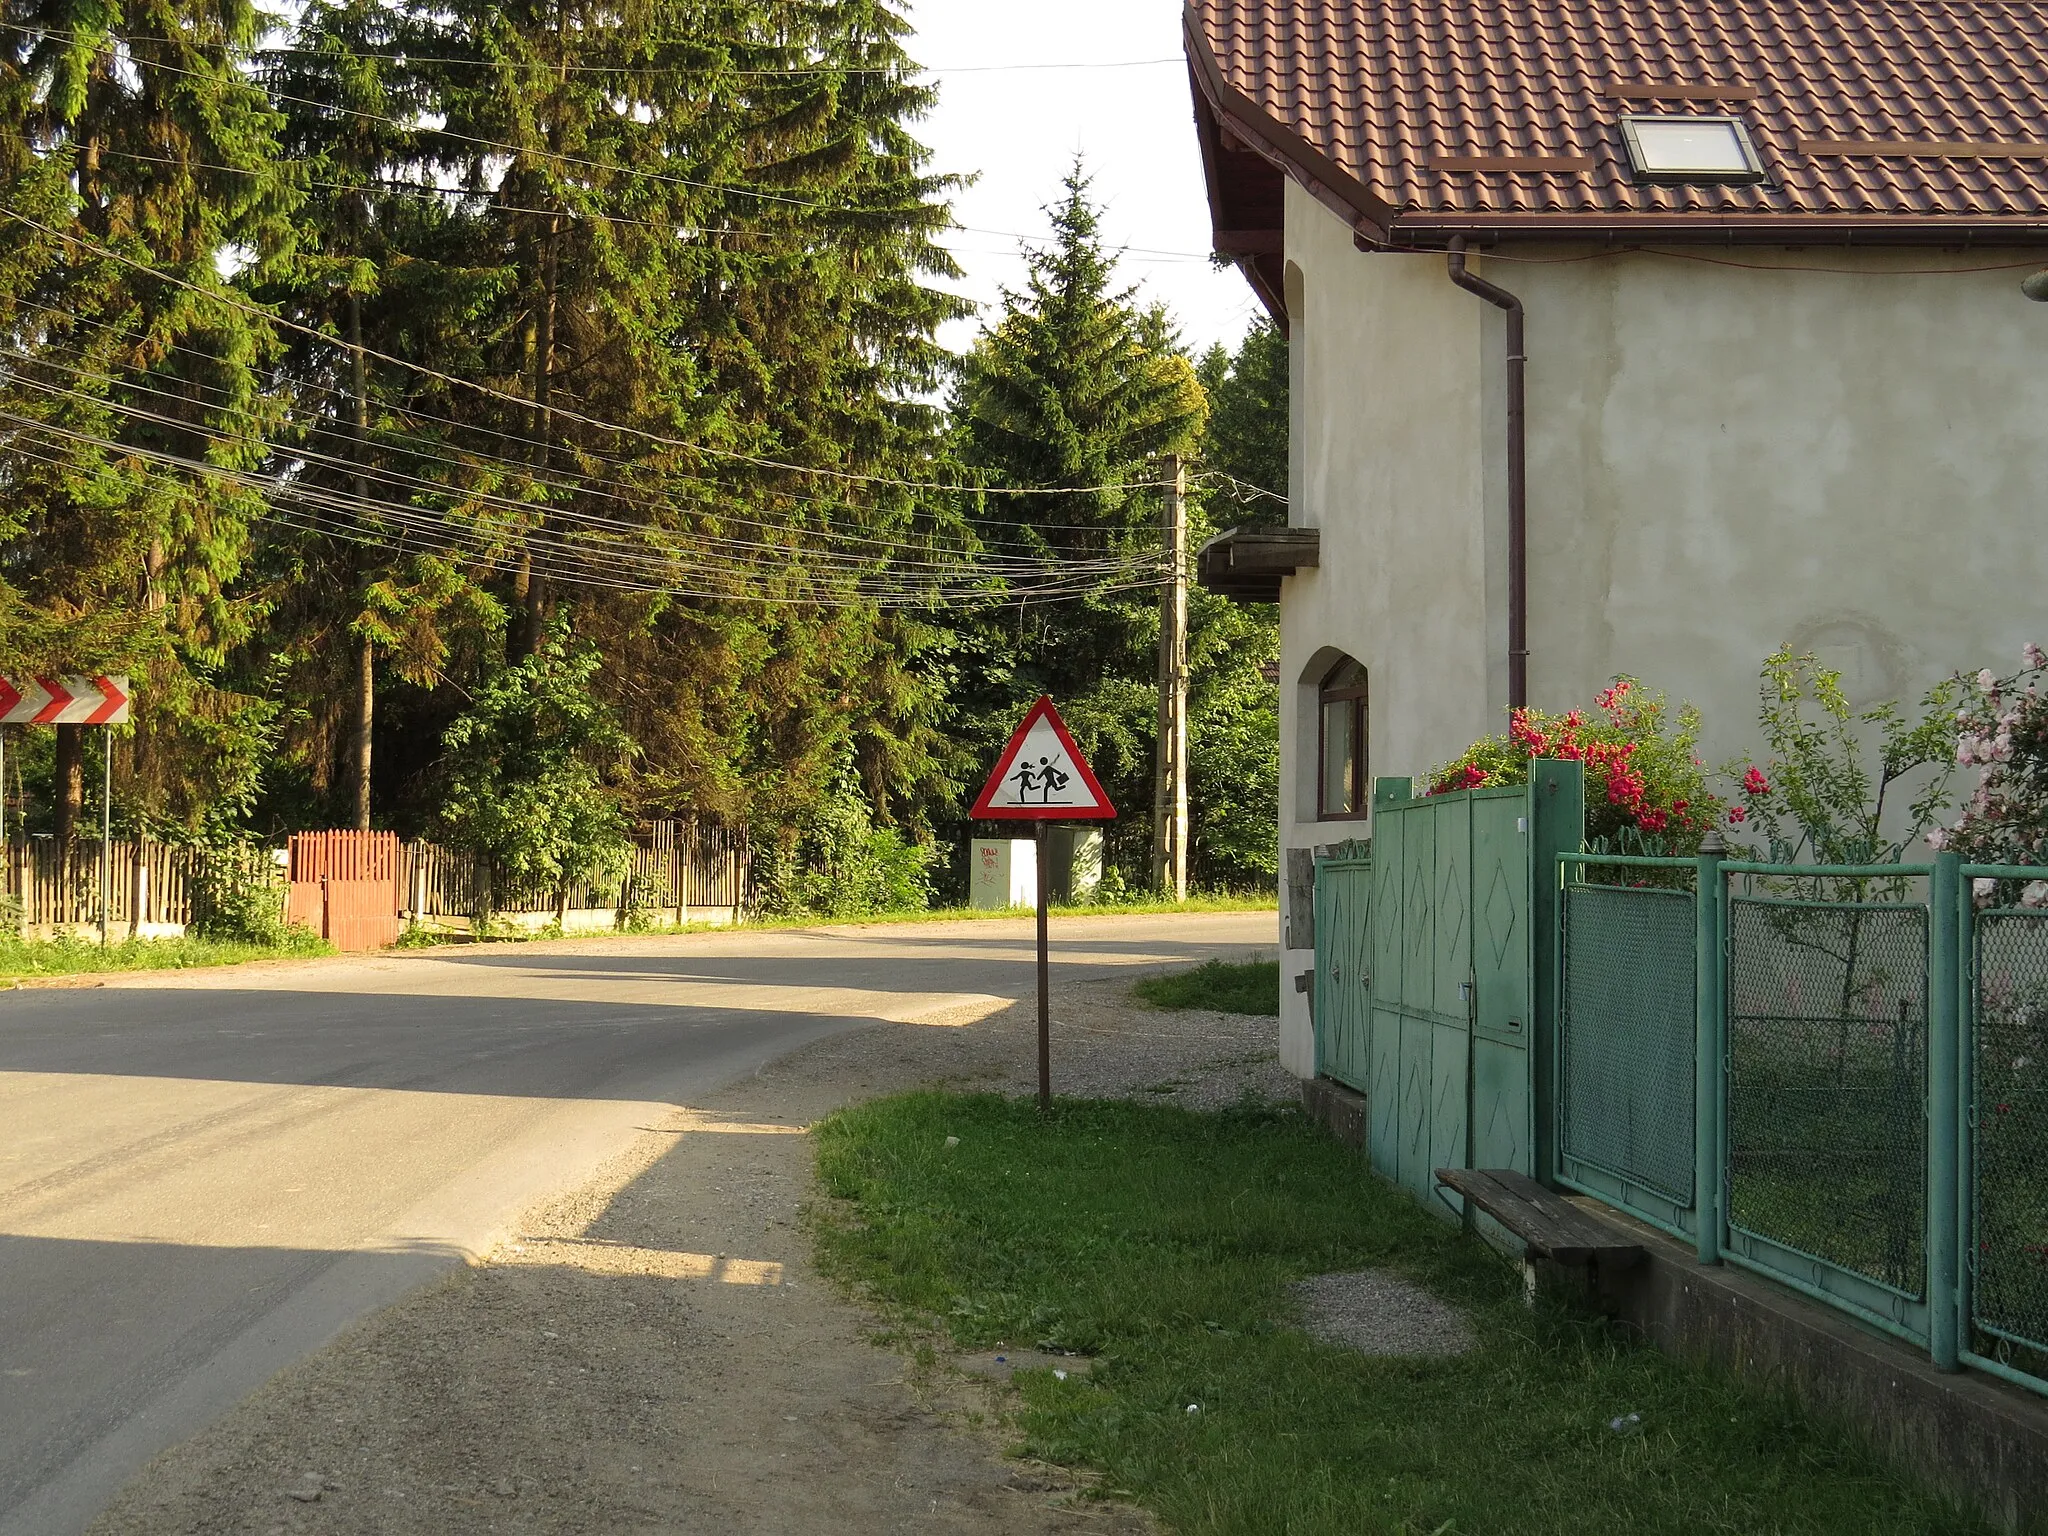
[(835, 862), (238, 898), (523, 777)]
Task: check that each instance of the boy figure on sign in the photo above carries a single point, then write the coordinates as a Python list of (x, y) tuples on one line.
[(1050, 779)]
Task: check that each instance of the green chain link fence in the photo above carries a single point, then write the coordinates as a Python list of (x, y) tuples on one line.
[(1827, 1082), (1626, 1048), (2008, 1091)]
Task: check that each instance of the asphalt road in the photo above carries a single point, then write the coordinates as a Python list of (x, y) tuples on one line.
[(204, 1175)]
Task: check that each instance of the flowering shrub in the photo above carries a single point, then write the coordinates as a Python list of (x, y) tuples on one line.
[(1817, 798), (2001, 729), (1645, 789)]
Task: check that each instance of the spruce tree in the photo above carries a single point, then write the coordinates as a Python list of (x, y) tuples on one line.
[(1080, 389), (1247, 433), (384, 267), (136, 158)]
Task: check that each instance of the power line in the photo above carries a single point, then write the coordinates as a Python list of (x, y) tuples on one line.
[(618, 544), (599, 165), (1242, 490), (399, 184), (907, 66), (474, 459), (222, 296), (613, 568), (519, 150)]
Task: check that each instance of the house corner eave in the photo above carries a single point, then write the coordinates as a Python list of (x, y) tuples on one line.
[(1247, 158)]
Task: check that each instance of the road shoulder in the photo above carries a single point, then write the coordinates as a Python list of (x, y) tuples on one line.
[(656, 1351)]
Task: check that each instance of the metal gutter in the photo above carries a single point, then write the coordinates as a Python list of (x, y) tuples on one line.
[(1518, 469)]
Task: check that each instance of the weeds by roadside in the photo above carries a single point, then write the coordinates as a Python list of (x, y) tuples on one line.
[(21, 958), (1161, 1241), (1250, 987)]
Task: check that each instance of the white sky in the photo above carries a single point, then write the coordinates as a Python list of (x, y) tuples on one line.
[(1020, 128)]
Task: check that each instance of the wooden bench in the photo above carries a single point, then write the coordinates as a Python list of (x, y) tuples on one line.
[(1550, 1227)]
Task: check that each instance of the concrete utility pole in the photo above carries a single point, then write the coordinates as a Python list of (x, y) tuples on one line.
[(1170, 777)]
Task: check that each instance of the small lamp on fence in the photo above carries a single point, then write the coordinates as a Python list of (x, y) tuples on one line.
[(2035, 286)]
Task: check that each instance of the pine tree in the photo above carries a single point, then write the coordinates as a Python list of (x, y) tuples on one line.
[(1247, 435), (135, 158), (793, 320), (1077, 386), (384, 267)]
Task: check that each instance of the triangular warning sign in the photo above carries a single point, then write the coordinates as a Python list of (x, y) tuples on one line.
[(1042, 776)]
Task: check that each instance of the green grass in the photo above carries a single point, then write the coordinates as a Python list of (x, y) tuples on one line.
[(1221, 902), (1252, 986), (1161, 1241), (24, 958)]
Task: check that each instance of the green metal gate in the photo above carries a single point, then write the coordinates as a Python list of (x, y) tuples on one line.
[(1342, 1003), (1429, 985)]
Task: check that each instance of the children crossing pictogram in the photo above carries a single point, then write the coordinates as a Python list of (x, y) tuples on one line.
[(1042, 776)]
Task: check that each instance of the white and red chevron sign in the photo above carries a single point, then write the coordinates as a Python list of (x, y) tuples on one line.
[(63, 700)]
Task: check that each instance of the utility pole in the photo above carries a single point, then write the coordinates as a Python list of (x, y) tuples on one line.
[(362, 728), (1170, 776)]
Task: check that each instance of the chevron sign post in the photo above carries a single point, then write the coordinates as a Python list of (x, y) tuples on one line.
[(72, 701), (63, 701)]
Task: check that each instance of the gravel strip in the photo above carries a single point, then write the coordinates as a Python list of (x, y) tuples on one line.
[(1376, 1314), (655, 1352), (1106, 1044)]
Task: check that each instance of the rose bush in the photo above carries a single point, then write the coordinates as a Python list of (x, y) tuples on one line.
[(1646, 791), (2002, 731)]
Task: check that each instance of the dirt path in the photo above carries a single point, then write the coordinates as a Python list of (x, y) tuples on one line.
[(656, 1353)]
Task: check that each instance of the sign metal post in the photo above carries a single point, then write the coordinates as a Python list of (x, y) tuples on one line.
[(1044, 969), (1041, 777), (98, 700)]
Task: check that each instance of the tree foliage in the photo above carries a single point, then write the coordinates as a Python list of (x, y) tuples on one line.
[(1247, 436), (524, 776), (354, 363), (1826, 791)]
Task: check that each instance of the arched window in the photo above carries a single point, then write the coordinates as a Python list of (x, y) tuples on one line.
[(1343, 740)]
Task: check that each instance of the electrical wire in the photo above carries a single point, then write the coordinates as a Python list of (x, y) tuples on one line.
[(516, 149), (222, 296), (615, 569), (793, 71), (640, 550), (399, 184), (1004, 540), (1242, 490)]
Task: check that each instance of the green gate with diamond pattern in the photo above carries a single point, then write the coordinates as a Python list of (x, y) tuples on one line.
[(1431, 986)]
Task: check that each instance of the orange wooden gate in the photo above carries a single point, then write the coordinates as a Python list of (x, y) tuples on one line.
[(344, 885)]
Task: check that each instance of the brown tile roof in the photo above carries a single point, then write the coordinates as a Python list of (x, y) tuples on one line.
[(1919, 119)]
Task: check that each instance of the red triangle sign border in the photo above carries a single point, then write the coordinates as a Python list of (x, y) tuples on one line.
[(985, 808)]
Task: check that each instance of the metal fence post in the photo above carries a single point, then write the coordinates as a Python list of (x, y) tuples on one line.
[(1944, 996), (1707, 1054), (1966, 1112)]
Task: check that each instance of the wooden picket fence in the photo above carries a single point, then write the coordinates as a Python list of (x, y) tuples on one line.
[(359, 890), (54, 889)]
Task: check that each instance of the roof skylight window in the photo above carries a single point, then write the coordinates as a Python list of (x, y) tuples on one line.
[(1666, 148)]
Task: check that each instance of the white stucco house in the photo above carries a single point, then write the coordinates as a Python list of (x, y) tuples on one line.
[(1634, 339)]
